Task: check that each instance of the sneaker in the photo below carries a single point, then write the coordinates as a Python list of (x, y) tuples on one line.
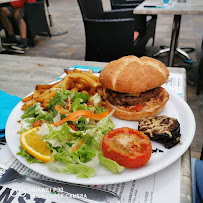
[(21, 47), (10, 42)]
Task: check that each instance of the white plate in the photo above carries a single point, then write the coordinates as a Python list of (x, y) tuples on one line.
[(176, 107)]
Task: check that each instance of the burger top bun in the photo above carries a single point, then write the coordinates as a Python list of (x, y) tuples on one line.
[(131, 74)]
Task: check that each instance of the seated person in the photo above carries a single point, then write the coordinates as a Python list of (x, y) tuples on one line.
[(16, 10)]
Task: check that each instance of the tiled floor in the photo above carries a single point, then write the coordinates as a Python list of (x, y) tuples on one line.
[(66, 16)]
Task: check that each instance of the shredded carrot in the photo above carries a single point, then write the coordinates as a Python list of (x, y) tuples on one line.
[(87, 114), (101, 115), (61, 109), (79, 144), (69, 104)]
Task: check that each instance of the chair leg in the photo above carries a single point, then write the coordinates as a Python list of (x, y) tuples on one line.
[(153, 40), (49, 34), (201, 157), (198, 91), (32, 42)]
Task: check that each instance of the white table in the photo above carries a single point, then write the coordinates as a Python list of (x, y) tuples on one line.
[(191, 7), (16, 71)]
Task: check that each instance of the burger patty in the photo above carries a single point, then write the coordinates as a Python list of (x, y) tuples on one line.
[(116, 98)]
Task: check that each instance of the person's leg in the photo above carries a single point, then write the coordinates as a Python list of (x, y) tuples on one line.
[(5, 13), (18, 16), (4, 16)]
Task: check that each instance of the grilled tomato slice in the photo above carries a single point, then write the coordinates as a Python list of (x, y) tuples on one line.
[(128, 147)]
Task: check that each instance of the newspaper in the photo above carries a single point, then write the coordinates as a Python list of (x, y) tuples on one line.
[(163, 186), (175, 83)]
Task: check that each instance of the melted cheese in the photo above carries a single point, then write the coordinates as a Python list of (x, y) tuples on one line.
[(124, 140), (152, 124)]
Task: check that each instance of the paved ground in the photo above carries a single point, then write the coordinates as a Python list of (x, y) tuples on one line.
[(66, 16)]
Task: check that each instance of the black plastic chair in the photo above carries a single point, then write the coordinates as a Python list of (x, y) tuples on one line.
[(110, 34), (35, 19), (131, 4), (200, 74), (122, 4)]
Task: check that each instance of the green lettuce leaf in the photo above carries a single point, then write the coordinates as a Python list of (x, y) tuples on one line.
[(29, 112), (86, 153), (79, 95), (111, 165), (106, 124), (37, 113), (83, 171), (29, 158), (60, 134), (58, 100)]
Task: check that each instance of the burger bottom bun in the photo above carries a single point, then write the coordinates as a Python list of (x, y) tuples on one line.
[(151, 109)]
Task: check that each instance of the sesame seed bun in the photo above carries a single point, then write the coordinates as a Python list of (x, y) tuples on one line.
[(131, 74)]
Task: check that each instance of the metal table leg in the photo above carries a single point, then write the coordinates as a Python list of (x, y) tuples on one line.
[(174, 38), (56, 29), (174, 42)]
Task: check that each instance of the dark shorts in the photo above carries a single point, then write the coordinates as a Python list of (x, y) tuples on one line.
[(11, 9)]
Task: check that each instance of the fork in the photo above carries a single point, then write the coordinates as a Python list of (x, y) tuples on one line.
[(93, 195)]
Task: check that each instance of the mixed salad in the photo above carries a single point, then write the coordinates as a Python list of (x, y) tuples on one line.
[(73, 127)]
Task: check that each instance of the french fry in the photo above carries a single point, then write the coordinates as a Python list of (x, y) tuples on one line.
[(47, 96), (68, 72), (87, 79), (37, 93), (44, 94), (100, 91), (28, 98), (90, 71), (75, 89), (66, 83), (72, 85), (39, 87), (84, 91), (77, 71), (80, 85), (28, 104), (94, 77), (53, 89), (81, 81), (34, 102), (92, 90), (74, 81), (57, 85), (45, 104)]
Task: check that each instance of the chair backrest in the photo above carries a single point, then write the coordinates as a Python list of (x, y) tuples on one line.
[(91, 9), (123, 4), (118, 1), (110, 36), (35, 18)]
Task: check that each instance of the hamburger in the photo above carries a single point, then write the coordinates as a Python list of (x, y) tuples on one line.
[(133, 87)]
